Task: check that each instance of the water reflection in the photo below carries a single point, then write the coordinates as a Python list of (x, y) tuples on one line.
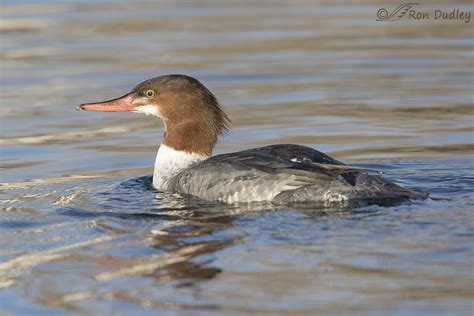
[(82, 231), (178, 253)]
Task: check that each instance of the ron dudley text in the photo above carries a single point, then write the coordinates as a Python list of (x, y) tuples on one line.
[(455, 14)]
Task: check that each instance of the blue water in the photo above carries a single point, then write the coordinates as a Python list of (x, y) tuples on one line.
[(84, 232)]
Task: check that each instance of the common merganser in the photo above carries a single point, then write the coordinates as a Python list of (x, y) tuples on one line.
[(285, 173)]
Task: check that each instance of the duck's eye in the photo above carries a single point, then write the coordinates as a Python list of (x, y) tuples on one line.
[(150, 93)]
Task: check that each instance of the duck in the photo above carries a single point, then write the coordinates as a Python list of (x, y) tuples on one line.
[(280, 174)]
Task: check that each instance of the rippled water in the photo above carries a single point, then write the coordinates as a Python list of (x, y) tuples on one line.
[(83, 231)]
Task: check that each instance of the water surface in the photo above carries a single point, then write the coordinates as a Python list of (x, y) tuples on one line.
[(83, 232)]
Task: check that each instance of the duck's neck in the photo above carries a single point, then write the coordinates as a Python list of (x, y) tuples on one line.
[(183, 146), (169, 162)]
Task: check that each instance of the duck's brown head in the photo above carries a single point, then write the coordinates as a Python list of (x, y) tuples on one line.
[(192, 115)]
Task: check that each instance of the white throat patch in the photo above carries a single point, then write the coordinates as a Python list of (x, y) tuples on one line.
[(169, 162), (148, 110)]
